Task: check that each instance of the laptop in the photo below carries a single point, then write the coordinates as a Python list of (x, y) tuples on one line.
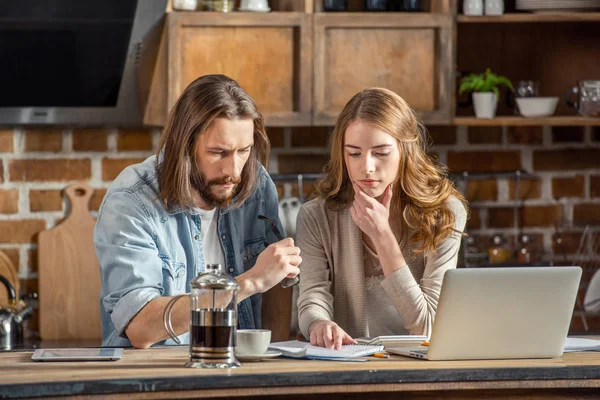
[(501, 313)]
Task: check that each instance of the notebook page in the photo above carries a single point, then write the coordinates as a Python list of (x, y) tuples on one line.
[(295, 348)]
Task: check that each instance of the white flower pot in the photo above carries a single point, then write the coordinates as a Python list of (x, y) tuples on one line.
[(485, 105), (473, 7)]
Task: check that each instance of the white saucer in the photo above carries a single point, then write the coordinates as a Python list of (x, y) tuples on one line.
[(258, 357), (264, 10)]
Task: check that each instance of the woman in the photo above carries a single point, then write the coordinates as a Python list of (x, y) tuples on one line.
[(385, 226)]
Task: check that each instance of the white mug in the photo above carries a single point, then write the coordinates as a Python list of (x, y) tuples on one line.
[(473, 7), (254, 5), (494, 7)]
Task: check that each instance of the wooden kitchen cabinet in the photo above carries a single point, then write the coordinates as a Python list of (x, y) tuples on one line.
[(411, 54), (270, 55), (302, 67)]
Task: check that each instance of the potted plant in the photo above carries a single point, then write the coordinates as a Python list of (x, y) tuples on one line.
[(485, 91)]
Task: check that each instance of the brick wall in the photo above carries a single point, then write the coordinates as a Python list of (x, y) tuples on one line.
[(37, 164)]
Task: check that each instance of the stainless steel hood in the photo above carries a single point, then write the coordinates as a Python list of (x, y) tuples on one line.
[(82, 62)]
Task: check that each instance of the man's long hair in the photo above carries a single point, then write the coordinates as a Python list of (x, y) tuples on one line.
[(206, 98)]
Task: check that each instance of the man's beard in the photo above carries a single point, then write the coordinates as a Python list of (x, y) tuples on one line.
[(205, 187)]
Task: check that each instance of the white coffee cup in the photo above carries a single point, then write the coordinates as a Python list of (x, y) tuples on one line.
[(255, 5), (252, 341)]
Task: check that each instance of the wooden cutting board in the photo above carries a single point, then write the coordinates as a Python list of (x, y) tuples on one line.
[(69, 276), (8, 270)]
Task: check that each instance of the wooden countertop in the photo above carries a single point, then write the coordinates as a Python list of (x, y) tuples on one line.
[(154, 371)]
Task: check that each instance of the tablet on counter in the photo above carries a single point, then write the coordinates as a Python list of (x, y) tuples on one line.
[(75, 354)]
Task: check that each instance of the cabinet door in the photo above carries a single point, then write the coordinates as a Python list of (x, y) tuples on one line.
[(411, 54), (269, 55)]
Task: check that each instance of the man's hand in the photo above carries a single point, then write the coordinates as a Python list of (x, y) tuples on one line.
[(325, 333), (278, 261)]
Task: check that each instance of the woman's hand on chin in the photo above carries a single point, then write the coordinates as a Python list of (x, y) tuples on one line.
[(371, 216)]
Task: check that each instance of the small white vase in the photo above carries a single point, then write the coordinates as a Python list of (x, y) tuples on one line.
[(494, 7), (485, 105), (473, 7)]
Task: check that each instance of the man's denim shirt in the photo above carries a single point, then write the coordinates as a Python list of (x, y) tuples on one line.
[(146, 251)]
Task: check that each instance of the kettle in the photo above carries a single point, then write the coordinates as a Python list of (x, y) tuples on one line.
[(12, 318)]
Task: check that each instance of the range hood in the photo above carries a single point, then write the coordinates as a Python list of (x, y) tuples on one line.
[(83, 62)]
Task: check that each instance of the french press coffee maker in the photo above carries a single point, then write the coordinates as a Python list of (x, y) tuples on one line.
[(213, 303)]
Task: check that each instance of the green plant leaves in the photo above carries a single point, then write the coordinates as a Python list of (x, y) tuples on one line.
[(485, 82)]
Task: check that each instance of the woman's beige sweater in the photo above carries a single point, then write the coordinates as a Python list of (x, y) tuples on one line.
[(332, 283)]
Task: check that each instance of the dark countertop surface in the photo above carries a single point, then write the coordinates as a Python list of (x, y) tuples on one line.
[(162, 370)]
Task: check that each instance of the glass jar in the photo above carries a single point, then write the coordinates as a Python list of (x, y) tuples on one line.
[(216, 5), (213, 304), (376, 5), (498, 252), (335, 5)]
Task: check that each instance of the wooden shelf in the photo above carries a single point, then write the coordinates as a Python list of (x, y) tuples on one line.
[(527, 17), (521, 121)]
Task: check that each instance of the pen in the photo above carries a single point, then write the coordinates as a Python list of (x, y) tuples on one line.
[(381, 355)]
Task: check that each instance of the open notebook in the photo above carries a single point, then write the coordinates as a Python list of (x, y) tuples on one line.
[(299, 349), (394, 340)]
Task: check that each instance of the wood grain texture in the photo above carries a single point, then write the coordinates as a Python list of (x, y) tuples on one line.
[(145, 372), (520, 121), (156, 111), (10, 272), (526, 17), (276, 72), (69, 275), (409, 54), (277, 312)]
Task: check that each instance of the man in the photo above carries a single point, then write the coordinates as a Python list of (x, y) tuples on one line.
[(194, 203)]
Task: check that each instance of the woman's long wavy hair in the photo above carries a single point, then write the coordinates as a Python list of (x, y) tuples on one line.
[(422, 189), (206, 98)]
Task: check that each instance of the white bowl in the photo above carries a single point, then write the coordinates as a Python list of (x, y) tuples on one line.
[(532, 107)]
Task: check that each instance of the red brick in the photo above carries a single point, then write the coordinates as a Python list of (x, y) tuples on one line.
[(280, 190), (302, 163), (9, 201), (569, 243), (474, 221), (276, 136), (528, 189), (441, 135), (595, 186), (21, 231), (531, 216), (310, 136), (568, 187), (484, 161), (61, 170), (32, 264), (13, 255), (525, 134), (97, 198), (480, 190), (43, 140), (6, 140), (485, 134), (112, 167), (90, 139), (45, 200), (567, 159), (562, 134), (586, 214), (134, 140)]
